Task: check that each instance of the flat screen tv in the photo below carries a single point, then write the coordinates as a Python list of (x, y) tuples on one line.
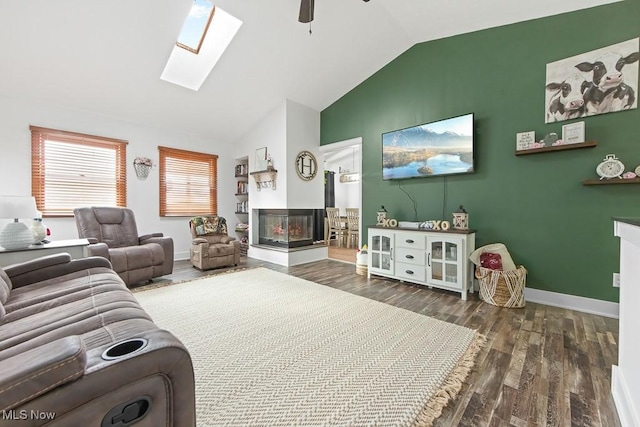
[(443, 147)]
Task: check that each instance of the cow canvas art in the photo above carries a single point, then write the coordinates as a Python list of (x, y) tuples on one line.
[(597, 82)]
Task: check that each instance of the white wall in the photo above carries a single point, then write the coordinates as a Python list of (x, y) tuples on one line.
[(142, 196), (285, 131), (303, 133), (270, 132)]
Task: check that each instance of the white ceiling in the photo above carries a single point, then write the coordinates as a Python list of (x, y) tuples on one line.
[(107, 56)]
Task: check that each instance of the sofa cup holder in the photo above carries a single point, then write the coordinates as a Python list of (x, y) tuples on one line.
[(124, 348)]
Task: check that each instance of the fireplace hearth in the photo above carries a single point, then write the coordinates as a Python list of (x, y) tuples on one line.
[(285, 228)]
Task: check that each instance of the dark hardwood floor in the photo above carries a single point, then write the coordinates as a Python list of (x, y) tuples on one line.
[(541, 366)]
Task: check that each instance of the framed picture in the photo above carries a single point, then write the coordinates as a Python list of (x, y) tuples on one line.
[(261, 159), (524, 140), (573, 133), (600, 81)]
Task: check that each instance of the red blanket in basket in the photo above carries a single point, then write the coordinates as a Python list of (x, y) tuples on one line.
[(491, 260)]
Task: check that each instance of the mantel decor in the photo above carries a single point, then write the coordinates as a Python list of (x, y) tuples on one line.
[(265, 179), (142, 166)]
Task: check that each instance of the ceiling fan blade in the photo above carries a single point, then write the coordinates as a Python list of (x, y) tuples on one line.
[(306, 11)]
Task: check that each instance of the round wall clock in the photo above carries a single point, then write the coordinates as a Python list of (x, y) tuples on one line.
[(306, 165), (610, 167)]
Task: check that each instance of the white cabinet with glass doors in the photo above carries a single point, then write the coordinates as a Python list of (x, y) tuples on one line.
[(434, 258), (380, 251)]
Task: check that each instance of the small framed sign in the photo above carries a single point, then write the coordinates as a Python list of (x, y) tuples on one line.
[(524, 140), (261, 159), (573, 133)]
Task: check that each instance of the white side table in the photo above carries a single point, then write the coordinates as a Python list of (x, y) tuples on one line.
[(76, 248)]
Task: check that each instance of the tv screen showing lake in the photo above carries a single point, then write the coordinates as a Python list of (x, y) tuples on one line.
[(439, 148), (442, 164)]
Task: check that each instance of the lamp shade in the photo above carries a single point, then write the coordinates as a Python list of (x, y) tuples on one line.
[(16, 235), (12, 207)]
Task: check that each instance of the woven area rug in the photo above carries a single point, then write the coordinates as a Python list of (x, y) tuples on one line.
[(274, 350)]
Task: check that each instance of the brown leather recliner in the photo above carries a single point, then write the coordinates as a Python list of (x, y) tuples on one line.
[(211, 246), (77, 349), (113, 234)]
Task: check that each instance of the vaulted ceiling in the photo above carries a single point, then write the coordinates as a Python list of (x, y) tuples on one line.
[(107, 57)]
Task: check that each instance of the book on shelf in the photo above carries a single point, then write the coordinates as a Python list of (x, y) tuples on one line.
[(242, 169), (242, 207), (241, 226), (241, 187)]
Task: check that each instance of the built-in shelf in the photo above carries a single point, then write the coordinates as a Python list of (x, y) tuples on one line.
[(241, 174), (613, 181), (562, 147), (265, 178)]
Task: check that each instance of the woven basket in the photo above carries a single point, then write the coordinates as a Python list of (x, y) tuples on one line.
[(361, 269), (502, 288)]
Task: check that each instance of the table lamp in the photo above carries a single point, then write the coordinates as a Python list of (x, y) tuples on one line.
[(16, 235)]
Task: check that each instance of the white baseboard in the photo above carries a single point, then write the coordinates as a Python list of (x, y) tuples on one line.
[(573, 302), (180, 256), (626, 411)]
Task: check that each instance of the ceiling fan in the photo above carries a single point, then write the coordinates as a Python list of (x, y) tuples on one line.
[(306, 11)]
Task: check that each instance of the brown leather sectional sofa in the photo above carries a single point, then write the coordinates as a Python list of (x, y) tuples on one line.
[(76, 349)]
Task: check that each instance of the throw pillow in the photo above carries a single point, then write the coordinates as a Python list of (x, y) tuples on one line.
[(204, 225)]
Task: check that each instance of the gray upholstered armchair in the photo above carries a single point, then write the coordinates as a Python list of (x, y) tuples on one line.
[(211, 246), (113, 234)]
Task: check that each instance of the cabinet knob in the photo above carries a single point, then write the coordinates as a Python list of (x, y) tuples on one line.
[(409, 241), (409, 272), (409, 256)]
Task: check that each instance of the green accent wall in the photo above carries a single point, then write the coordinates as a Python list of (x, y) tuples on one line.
[(560, 230)]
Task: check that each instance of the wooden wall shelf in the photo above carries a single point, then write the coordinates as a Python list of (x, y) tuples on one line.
[(563, 147), (265, 179), (613, 181)]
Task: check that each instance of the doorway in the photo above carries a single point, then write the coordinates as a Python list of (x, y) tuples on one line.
[(343, 189)]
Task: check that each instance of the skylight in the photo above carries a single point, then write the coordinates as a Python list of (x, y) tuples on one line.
[(205, 36), (196, 25)]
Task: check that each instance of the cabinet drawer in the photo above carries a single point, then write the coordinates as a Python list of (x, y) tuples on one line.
[(411, 256), (411, 240), (411, 272)]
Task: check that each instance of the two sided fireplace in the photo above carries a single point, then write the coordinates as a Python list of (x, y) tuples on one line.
[(285, 228)]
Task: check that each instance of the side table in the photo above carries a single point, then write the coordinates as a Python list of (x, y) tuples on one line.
[(76, 248)]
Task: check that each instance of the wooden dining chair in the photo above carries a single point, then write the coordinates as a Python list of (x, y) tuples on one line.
[(336, 228), (353, 219)]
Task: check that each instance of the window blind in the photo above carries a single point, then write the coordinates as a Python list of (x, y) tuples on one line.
[(188, 183), (70, 170)]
